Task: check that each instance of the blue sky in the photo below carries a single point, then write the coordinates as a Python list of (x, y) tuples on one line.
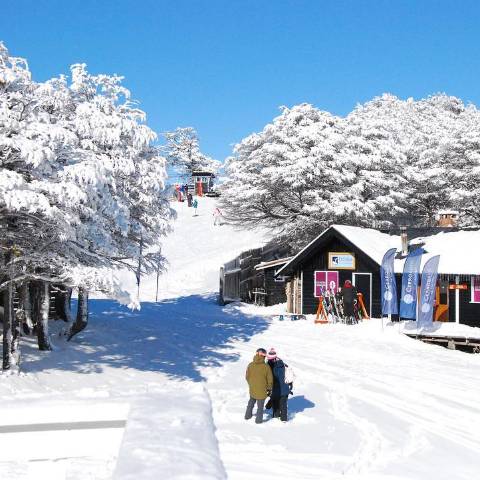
[(224, 67)]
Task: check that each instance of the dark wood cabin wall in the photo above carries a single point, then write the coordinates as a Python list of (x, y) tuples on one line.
[(275, 290), (248, 275), (469, 312), (319, 261)]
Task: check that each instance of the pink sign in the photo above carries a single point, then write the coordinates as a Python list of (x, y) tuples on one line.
[(476, 289), (325, 280)]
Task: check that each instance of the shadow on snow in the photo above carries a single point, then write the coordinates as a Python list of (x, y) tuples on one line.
[(176, 337), (298, 404)]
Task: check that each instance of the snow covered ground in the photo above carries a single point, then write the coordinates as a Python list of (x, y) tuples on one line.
[(160, 392)]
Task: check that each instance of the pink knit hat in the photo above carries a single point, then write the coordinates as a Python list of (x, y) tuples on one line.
[(272, 354)]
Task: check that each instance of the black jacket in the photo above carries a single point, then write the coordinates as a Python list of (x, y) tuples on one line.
[(280, 388), (349, 295)]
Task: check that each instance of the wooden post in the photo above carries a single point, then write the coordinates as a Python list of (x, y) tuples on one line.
[(158, 277), (457, 300)]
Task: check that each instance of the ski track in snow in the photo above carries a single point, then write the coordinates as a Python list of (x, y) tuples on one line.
[(365, 425)]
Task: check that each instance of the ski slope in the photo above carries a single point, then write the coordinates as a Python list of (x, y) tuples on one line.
[(195, 252), (160, 392)]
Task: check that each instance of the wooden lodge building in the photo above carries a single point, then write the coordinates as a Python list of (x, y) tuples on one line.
[(251, 277), (353, 253)]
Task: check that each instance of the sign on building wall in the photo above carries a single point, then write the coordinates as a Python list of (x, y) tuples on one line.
[(325, 280), (341, 260), (476, 289)]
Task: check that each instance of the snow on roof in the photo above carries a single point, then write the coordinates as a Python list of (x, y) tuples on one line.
[(458, 250), (373, 242), (272, 263)]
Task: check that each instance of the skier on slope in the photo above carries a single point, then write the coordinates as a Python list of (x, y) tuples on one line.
[(280, 390), (195, 205), (349, 296), (217, 217), (260, 382)]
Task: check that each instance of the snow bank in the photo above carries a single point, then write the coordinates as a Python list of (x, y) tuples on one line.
[(170, 435), (448, 329)]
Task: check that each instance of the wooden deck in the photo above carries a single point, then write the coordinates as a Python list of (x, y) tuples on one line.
[(465, 344)]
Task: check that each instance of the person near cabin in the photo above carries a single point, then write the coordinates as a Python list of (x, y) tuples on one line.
[(195, 205), (349, 297), (280, 390), (260, 381), (217, 217), (189, 199)]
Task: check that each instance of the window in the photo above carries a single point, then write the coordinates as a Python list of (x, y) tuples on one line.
[(280, 279), (475, 290)]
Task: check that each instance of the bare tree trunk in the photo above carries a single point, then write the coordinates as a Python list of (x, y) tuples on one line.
[(25, 308), (62, 304), (82, 314), (17, 320), (35, 302), (8, 315), (41, 303)]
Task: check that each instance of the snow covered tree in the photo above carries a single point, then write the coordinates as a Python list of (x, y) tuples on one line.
[(81, 185), (291, 177), (184, 155), (388, 162), (374, 138)]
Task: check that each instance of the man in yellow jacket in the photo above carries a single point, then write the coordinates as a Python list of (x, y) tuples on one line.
[(260, 381)]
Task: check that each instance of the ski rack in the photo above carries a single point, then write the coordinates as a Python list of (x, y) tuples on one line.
[(322, 315), (321, 312), (362, 305)]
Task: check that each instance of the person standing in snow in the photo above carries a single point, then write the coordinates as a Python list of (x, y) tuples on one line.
[(189, 199), (280, 390), (217, 217), (260, 382), (349, 296), (195, 205)]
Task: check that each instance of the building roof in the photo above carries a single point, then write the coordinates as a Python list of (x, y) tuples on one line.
[(458, 250), (203, 173), (272, 263)]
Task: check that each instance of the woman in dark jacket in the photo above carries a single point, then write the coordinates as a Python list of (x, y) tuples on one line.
[(280, 390), (349, 296)]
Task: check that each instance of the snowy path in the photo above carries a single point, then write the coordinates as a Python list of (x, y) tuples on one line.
[(367, 404)]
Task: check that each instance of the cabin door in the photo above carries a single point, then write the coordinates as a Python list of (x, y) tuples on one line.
[(363, 284), (441, 302), (297, 294)]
